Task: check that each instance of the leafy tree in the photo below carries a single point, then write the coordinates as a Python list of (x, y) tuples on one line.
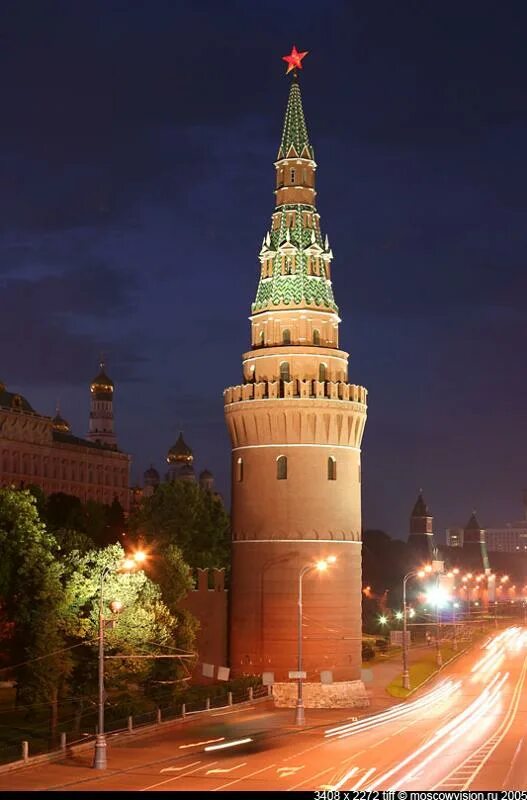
[(144, 626), (181, 513), (32, 598), (64, 511)]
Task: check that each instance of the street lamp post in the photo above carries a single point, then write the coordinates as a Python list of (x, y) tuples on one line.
[(439, 657), (322, 565), (99, 757), (406, 672)]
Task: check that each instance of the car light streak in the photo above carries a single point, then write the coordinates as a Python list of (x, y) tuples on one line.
[(197, 744), (442, 692), (224, 746), (463, 722)]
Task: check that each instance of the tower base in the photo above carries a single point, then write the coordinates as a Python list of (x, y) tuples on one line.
[(342, 694)]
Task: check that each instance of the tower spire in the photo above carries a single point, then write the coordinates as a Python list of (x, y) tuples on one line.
[(295, 138)]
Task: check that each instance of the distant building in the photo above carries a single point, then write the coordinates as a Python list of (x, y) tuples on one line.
[(42, 451), (511, 537), (180, 460), (454, 537), (421, 537)]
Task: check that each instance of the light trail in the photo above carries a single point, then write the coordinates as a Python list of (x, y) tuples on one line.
[(225, 745), (443, 692), (449, 732)]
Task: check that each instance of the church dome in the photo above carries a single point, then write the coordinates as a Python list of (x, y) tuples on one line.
[(151, 477), (101, 382), (59, 424), (180, 452), (206, 474)]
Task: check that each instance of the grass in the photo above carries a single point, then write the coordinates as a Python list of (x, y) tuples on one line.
[(420, 671)]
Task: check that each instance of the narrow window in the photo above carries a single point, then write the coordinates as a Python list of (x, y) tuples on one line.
[(292, 176), (281, 468), (284, 371), (316, 337), (286, 337), (262, 338), (322, 372), (332, 468), (239, 469)]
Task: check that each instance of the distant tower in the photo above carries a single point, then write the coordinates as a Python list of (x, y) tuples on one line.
[(421, 538), (206, 480), (296, 427), (151, 481), (101, 411), (180, 460), (474, 542), (59, 424)]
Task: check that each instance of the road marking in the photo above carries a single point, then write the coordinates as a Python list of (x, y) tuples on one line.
[(178, 769), (243, 778), (363, 779), (311, 778), (183, 775), (285, 772), (225, 745), (223, 771)]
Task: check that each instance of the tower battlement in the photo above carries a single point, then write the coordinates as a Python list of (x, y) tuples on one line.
[(296, 388)]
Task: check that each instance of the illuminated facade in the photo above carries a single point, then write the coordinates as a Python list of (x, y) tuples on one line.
[(41, 451), (296, 427)]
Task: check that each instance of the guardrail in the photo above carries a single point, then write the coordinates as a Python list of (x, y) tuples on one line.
[(16, 756)]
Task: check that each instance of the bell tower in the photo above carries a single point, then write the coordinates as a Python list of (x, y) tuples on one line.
[(296, 427), (101, 428)]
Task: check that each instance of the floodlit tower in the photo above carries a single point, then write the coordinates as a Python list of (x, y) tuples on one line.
[(296, 427)]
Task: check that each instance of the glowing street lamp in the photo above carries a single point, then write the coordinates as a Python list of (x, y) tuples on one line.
[(321, 566), (128, 564)]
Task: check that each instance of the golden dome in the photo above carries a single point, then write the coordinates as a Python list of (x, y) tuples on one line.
[(101, 382), (180, 452)]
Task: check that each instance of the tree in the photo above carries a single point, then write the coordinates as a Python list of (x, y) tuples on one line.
[(181, 513), (144, 626), (32, 598), (64, 511)]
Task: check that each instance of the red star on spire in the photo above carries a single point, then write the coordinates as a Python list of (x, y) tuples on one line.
[(294, 59)]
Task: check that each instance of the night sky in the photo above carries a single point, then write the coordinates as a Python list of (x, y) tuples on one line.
[(137, 142)]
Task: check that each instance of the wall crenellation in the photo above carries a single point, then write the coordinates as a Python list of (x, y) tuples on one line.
[(296, 388)]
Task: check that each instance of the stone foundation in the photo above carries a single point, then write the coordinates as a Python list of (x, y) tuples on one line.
[(343, 694)]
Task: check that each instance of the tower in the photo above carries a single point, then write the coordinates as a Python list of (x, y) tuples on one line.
[(101, 410), (151, 481), (475, 544), (421, 538), (180, 460), (296, 426)]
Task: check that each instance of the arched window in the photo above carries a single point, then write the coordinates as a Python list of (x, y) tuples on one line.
[(332, 468), (262, 338), (323, 372), (284, 371), (239, 469), (316, 337), (293, 175), (286, 336), (281, 468)]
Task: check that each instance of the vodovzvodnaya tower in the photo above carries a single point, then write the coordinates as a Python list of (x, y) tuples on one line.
[(296, 427)]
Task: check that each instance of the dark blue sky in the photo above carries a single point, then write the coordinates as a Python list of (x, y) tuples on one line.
[(137, 142)]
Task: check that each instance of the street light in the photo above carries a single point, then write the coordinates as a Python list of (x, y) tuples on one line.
[(321, 566), (99, 757), (419, 573)]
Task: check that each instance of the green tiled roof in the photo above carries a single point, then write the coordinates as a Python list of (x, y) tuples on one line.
[(298, 288), (295, 128)]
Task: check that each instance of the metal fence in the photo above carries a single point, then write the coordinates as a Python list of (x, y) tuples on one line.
[(35, 740)]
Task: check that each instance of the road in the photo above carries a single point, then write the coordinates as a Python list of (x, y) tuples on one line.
[(466, 730)]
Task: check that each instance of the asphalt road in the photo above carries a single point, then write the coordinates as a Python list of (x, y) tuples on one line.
[(464, 730)]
